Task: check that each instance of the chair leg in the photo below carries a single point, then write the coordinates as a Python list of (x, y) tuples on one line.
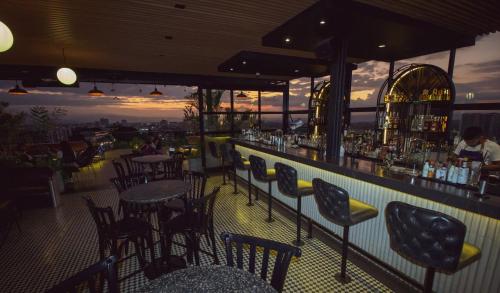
[(429, 280), (214, 246), (249, 189), (298, 241), (309, 228), (234, 182), (269, 204), (223, 172), (342, 277)]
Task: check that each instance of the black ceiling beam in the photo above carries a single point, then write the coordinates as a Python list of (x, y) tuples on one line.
[(43, 75), (247, 62), (366, 28)]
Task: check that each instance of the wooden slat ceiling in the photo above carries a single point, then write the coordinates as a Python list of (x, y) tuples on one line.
[(130, 34), (474, 17)]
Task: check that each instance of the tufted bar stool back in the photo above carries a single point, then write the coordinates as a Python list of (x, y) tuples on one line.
[(335, 205), (242, 164), (290, 185), (262, 173), (429, 239), (225, 158)]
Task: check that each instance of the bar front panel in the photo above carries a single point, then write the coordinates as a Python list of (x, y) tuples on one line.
[(372, 235)]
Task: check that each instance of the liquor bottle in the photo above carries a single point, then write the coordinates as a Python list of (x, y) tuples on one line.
[(463, 173), (432, 170), (425, 170)]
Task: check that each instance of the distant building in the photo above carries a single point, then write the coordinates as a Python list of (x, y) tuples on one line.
[(104, 122), (163, 123), (124, 122)]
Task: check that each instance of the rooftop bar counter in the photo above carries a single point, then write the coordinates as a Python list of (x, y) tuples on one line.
[(368, 182)]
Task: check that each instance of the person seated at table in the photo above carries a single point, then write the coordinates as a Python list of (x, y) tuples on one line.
[(158, 144), (87, 154), (22, 154), (67, 155), (148, 148)]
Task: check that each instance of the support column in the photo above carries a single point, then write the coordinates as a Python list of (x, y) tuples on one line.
[(347, 98), (451, 67), (391, 74), (286, 106), (231, 115), (202, 127), (259, 109), (335, 99)]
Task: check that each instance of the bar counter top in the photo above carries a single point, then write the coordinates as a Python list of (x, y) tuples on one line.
[(369, 171)]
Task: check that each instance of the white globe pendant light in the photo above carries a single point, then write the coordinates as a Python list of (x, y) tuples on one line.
[(66, 75), (6, 37)]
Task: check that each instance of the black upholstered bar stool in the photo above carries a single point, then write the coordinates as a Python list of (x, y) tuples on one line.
[(241, 163), (225, 158), (290, 185), (212, 146), (335, 205), (429, 239), (261, 173)]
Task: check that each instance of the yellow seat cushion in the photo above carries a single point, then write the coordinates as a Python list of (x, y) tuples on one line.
[(301, 184), (246, 163), (470, 253), (361, 211), (271, 172)]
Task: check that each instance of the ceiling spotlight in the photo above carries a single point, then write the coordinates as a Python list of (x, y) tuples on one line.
[(322, 22), (6, 37), (231, 69), (156, 93), (18, 90), (95, 92), (241, 95), (381, 46), (296, 71), (288, 40), (257, 73), (243, 62)]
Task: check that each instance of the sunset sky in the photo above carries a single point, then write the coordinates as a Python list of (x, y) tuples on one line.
[(477, 70)]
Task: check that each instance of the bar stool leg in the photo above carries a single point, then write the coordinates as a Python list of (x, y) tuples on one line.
[(309, 228), (234, 181), (223, 171), (269, 205), (249, 188), (429, 280), (298, 241), (342, 277)]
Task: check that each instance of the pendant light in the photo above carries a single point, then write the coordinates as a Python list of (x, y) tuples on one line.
[(241, 95), (66, 75), (17, 90), (6, 37), (95, 92), (156, 92)]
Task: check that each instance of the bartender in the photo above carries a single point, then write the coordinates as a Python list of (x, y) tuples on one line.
[(475, 147)]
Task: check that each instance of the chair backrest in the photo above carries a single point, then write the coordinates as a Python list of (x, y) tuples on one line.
[(178, 155), (426, 237), (133, 168), (92, 278), (104, 218), (224, 152), (212, 146), (287, 179), (202, 211), (120, 173), (258, 166), (173, 168), (197, 181), (332, 202), (118, 185), (237, 159), (283, 252)]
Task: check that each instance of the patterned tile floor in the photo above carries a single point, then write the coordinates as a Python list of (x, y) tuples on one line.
[(56, 243)]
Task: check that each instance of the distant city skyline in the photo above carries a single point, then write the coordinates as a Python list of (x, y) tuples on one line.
[(477, 71)]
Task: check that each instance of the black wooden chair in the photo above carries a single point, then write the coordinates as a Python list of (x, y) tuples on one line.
[(429, 239), (283, 252), (197, 181), (124, 181), (196, 221), (114, 235), (92, 278), (8, 217), (172, 169), (134, 170)]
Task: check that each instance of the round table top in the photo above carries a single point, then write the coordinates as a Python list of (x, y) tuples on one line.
[(155, 191), (151, 159), (208, 279)]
